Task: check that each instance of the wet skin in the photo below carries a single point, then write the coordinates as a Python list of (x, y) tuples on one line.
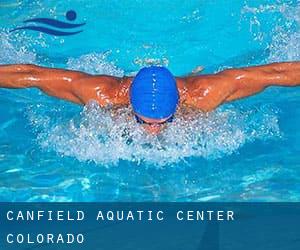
[(203, 92)]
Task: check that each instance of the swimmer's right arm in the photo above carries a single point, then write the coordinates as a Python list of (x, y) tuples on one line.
[(74, 86), (54, 82)]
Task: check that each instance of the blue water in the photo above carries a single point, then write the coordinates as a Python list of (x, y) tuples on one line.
[(248, 150)]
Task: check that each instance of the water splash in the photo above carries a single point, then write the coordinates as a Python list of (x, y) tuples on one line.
[(143, 62), (264, 8), (95, 63), (195, 16), (285, 45), (106, 136), (285, 35), (12, 51)]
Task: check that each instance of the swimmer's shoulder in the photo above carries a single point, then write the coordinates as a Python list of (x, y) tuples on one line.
[(205, 92), (106, 90), (191, 85)]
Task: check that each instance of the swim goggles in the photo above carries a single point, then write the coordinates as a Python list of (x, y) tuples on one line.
[(141, 121)]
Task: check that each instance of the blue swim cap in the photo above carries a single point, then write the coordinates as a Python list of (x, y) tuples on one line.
[(154, 93)]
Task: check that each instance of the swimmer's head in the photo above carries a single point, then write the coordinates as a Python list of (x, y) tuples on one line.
[(154, 95)]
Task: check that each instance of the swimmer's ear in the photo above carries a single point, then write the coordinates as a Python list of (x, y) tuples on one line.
[(196, 71)]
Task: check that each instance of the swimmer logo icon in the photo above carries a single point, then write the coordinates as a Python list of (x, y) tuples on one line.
[(58, 28)]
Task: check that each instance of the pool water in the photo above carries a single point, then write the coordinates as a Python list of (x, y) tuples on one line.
[(248, 150)]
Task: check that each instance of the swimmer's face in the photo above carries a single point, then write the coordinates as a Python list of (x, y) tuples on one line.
[(153, 126)]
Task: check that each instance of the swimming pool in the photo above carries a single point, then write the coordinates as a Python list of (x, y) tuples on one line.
[(51, 150)]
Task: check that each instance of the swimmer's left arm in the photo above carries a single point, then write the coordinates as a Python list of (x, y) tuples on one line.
[(207, 92), (252, 80)]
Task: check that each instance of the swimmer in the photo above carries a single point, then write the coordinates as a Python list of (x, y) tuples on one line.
[(154, 93)]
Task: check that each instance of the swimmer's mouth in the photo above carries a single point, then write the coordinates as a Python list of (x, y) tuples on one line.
[(141, 121)]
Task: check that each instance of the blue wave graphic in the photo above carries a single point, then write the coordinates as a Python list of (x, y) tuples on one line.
[(54, 23), (47, 30), (70, 15)]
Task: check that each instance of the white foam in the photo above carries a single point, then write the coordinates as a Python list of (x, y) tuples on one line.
[(106, 136), (95, 63), (12, 51), (285, 44)]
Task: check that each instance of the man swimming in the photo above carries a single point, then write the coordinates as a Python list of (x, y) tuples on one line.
[(153, 93)]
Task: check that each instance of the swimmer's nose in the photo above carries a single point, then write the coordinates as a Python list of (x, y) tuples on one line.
[(153, 129)]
